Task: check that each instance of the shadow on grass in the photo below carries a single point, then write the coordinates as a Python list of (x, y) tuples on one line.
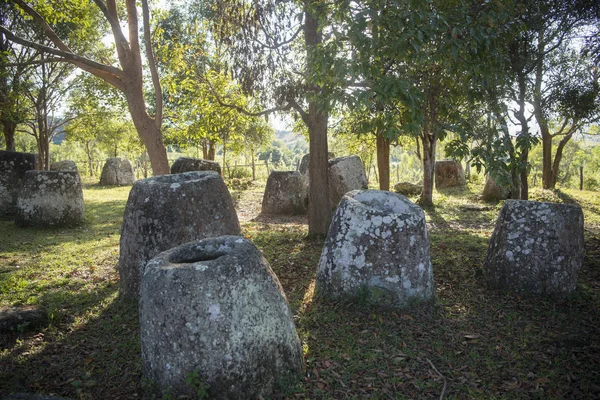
[(486, 344)]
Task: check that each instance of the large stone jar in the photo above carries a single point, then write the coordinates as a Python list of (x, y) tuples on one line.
[(536, 248), (305, 162), (64, 165), (185, 164), (165, 211), (215, 309), (345, 174), (377, 247), (117, 172), (50, 199), (13, 166), (286, 193)]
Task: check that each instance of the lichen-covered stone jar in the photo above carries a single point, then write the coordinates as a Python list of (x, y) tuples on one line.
[(213, 308), (165, 211), (286, 193), (536, 248), (377, 247), (13, 166), (50, 199)]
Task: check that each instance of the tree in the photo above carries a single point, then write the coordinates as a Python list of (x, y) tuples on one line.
[(262, 38), (128, 78)]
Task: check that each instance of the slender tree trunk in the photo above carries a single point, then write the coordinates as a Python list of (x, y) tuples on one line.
[(383, 161), (224, 160), (204, 150), (581, 177), (558, 156), (524, 157), (429, 143), (88, 152), (253, 166)]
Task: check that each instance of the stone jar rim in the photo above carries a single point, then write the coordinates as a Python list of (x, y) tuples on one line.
[(402, 205)]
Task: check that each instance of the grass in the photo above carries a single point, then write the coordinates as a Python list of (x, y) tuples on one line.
[(482, 344)]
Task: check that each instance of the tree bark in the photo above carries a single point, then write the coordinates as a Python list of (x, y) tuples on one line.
[(429, 143), (383, 161), (319, 208), (9, 128), (253, 165), (581, 177)]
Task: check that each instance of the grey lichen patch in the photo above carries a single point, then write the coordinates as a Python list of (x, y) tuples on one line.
[(286, 193), (377, 242), (223, 314), (50, 199), (165, 211), (536, 248)]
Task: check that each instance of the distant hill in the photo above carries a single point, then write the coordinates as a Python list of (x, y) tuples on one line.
[(290, 138)]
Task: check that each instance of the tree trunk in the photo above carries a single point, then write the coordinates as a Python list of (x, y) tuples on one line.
[(383, 161), (319, 207), (224, 163), (9, 128), (558, 157), (88, 152), (148, 132), (211, 151), (546, 156), (429, 142), (524, 175), (581, 177), (253, 166), (204, 149)]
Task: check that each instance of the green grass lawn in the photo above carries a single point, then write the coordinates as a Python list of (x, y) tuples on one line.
[(473, 342)]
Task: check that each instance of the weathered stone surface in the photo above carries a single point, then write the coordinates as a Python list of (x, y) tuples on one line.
[(16, 319), (408, 189), (185, 164), (377, 246), (536, 248), (449, 173), (12, 173), (305, 162), (165, 211), (117, 172), (50, 199), (31, 396), (345, 174), (217, 306), (64, 165), (494, 192), (286, 193)]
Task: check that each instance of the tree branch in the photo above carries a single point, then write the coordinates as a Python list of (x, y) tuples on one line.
[(108, 73), (109, 10), (152, 64)]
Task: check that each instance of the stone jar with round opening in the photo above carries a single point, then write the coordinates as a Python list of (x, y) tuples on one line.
[(377, 249), (215, 309)]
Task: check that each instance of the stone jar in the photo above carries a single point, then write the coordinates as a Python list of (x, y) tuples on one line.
[(165, 211), (214, 308), (305, 162), (377, 248), (13, 166), (449, 173), (536, 248), (50, 199), (64, 165), (345, 174), (286, 193), (185, 164), (117, 172)]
